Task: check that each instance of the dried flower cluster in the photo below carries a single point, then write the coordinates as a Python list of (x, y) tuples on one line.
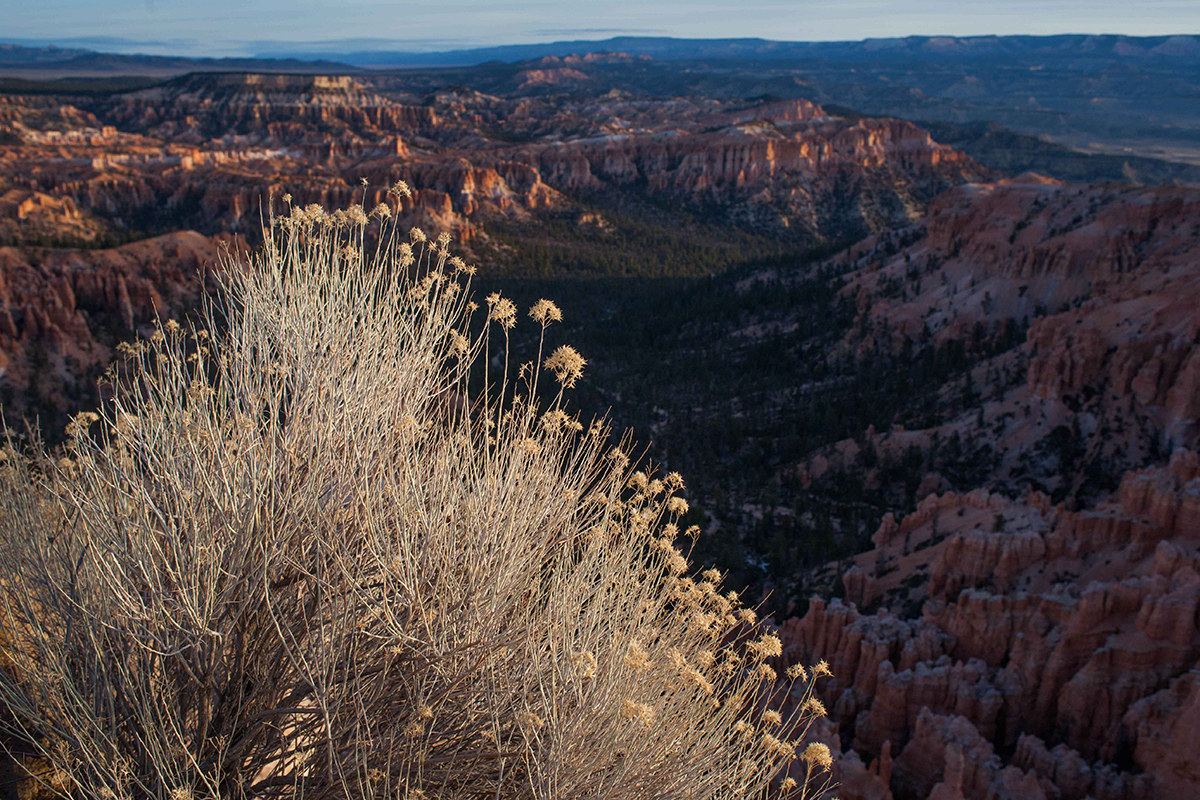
[(307, 556), (567, 365)]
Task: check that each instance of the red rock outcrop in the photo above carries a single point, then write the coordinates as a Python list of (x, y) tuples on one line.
[(1025, 248), (1139, 342), (555, 76), (1076, 307), (63, 311), (284, 107), (207, 151), (1064, 636), (35, 217), (786, 175), (1070, 638), (1166, 726)]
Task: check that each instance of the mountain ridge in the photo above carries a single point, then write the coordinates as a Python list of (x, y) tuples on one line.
[(1093, 46)]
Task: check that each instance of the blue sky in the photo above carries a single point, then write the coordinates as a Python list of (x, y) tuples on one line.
[(246, 27)]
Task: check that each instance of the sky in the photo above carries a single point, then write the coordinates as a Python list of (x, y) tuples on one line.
[(251, 27)]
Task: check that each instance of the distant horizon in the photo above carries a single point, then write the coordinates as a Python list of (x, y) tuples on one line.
[(331, 48), (182, 28)]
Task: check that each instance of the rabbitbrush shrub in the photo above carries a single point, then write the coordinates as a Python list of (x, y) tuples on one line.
[(297, 557)]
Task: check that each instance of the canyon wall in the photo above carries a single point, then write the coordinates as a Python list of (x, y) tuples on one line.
[(63, 312), (1060, 654), (209, 151)]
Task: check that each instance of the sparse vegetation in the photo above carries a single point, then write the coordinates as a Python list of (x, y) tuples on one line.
[(304, 553)]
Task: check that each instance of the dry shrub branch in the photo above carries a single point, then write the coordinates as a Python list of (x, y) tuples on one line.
[(297, 558)]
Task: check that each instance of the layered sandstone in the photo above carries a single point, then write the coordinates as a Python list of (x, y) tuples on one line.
[(1070, 639), (63, 311), (1027, 248), (282, 107), (1074, 309), (208, 151)]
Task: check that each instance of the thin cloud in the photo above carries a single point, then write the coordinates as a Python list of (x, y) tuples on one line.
[(102, 42), (349, 45), (578, 31)]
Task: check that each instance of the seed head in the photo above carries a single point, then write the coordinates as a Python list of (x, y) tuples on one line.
[(406, 254), (566, 364), (78, 426), (637, 711), (502, 310), (637, 658), (545, 312), (769, 645), (777, 746), (817, 755), (531, 720), (676, 562), (696, 677), (585, 662), (723, 607)]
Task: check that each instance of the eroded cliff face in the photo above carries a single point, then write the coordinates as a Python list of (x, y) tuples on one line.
[(1076, 307), (209, 151), (280, 107), (997, 641), (218, 153), (63, 311), (825, 177), (1027, 631), (1022, 248), (1055, 655)]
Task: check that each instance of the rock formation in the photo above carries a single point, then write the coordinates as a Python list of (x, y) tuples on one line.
[(209, 151), (1031, 633), (1036, 634), (1070, 640), (1075, 309), (63, 311)]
